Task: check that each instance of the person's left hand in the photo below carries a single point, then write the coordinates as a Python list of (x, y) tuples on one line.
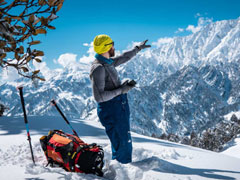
[(143, 45)]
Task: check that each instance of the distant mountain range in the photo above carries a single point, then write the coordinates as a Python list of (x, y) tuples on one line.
[(186, 84)]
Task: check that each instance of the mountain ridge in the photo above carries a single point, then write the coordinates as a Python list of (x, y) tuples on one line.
[(187, 84)]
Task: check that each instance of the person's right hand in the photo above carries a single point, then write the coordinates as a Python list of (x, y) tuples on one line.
[(125, 88), (143, 45)]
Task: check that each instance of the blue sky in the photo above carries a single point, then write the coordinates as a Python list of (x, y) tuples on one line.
[(126, 21)]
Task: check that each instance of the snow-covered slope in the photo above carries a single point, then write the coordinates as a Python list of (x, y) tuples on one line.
[(186, 84), (232, 148), (152, 158)]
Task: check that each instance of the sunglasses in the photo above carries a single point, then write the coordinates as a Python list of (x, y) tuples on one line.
[(109, 44)]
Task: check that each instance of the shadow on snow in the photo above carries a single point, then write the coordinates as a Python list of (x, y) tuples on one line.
[(42, 124), (159, 165)]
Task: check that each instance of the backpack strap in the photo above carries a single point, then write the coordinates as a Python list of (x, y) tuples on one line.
[(110, 75), (96, 64)]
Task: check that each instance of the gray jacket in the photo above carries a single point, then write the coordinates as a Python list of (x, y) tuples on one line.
[(104, 77)]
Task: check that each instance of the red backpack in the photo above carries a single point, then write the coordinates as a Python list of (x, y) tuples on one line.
[(71, 153)]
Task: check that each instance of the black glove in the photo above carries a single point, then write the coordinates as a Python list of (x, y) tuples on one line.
[(143, 45), (131, 83), (127, 86)]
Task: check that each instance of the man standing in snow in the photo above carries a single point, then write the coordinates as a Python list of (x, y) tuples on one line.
[(111, 95)]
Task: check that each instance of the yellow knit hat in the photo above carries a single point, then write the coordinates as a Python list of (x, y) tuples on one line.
[(102, 43)]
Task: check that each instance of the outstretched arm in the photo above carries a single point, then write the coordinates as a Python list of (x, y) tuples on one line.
[(125, 56), (98, 84), (129, 54)]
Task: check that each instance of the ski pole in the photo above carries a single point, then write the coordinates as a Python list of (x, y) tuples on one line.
[(26, 121), (55, 104)]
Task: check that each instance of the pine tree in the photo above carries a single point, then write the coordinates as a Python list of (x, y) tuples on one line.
[(185, 140), (234, 118), (163, 136), (2, 108)]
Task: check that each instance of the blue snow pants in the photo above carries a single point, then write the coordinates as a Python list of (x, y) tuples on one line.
[(114, 116)]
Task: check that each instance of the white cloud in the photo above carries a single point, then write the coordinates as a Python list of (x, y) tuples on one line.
[(162, 41), (179, 30), (198, 15), (193, 29), (202, 21), (86, 59), (43, 69), (9, 74), (91, 53), (86, 44), (67, 59), (55, 61)]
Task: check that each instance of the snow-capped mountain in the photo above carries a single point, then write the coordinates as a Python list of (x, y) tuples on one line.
[(215, 43), (187, 84), (71, 88)]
